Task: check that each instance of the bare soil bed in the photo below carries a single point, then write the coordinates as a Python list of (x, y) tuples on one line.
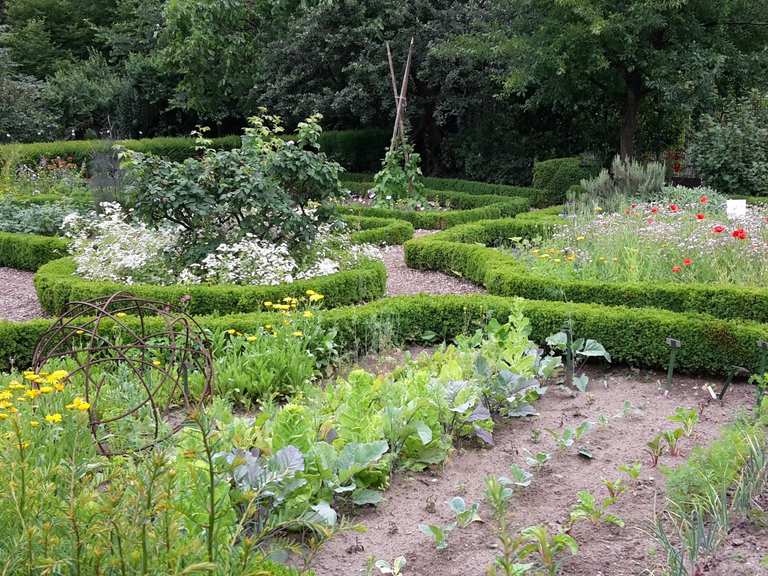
[(415, 498)]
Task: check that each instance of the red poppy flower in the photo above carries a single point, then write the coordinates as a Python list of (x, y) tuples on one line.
[(719, 229), (674, 207), (704, 199), (650, 220), (700, 216), (740, 234), (687, 262), (654, 210), (676, 269)]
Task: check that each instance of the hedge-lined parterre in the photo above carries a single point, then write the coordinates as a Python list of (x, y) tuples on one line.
[(632, 336), (467, 250), (463, 208), (56, 284)]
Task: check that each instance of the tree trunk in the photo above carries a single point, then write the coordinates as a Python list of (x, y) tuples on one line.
[(635, 92)]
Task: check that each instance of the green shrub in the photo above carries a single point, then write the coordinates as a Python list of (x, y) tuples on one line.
[(56, 285), (465, 250), (379, 231), (556, 176), (730, 152), (28, 251)]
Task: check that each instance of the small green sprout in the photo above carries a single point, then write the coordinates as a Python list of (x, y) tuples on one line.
[(687, 418)]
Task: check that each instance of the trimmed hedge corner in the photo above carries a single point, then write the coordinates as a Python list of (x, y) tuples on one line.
[(556, 176), (465, 250), (29, 251), (379, 231), (632, 336), (56, 285)]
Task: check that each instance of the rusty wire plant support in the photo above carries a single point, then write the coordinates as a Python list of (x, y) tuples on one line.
[(149, 346)]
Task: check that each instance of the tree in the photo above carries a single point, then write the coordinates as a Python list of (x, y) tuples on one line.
[(622, 55)]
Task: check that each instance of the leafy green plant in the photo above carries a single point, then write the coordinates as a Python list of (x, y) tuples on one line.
[(438, 533), (615, 487), (396, 567), (545, 548), (399, 177), (576, 351), (465, 513), (687, 418), (589, 508), (655, 449), (498, 494), (631, 470), (538, 460), (569, 436), (672, 438)]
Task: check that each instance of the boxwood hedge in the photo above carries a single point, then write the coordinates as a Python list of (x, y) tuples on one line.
[(632, 336), (466, 250), (56, 285), (29, 251), (379, 231), (557, 175)]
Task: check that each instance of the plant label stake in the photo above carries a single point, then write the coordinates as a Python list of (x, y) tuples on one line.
[(569, 360), (732, 373), (673, 345), (763, 346)]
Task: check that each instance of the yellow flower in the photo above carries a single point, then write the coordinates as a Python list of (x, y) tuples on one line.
[(15, 385), (78, 404), (231, 331), (310, 292), (5, 395), (53, 418), (571, 257), (556, 260), (267, 326), (34, 423), (156, 363), (3, 415), (121, 314), (580, 238), (251, 338), (32, 393), (5, 404), (59, 386), (79, 332), (57, 375), (307, 314), (298, 333), (267, 304), (46, 389), (598, 209), (315, 297)]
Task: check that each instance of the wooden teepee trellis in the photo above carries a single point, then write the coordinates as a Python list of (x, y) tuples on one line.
[(401, 101)]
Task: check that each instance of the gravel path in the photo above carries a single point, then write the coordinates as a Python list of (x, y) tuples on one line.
[(18, 299), (402, 280)]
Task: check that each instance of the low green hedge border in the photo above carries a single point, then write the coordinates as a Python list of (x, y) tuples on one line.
[(29, 251), (354, 149), (469, 208), (379, 231), (632, 336), (465, 250), (56, 285)]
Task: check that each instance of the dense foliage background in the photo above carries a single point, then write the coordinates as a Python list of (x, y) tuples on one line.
[(495, 83)]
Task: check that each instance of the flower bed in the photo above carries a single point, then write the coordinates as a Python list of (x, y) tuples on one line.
[(468, 250)]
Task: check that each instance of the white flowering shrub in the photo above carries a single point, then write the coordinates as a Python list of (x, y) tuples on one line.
[(110, 247)]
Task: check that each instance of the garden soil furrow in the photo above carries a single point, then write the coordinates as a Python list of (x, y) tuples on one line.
[(415, 498)]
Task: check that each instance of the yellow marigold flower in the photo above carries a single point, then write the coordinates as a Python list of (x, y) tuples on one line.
[(310, 292), (58, 386), (251, 338), (156, 363), (32, 393), (4, 404), (46, 389), (298, 333), (268, 304), (79, 332), (78, 404), (231, 331), (58, 375), (316, 297), (53, 418), (34, 423), (6, 395), (15, 385), (121, 314), (307, 314)]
